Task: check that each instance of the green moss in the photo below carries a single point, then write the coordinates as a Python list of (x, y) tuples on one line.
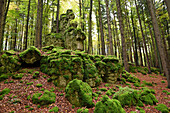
[(164, 91), (147, 83), (140, 109), (107, 85), (103, 89), (32, 48), (36, 74), (4, 92), (30, 83), (79, 91), (81, 110), (42, 89), (108, 105), (61, 94), (47, 98), (95, 94), (110, 92), (28, 97), (27, 106), (168, 93), (123, 80), (112, 59), (163, 108), (162, 81), (39, 85), (54, 109), (66, 77), (136, 84), (132, 69), (30, 109), (18, 76), (133, 79), (149, 99), (35, 98), (3, 77)]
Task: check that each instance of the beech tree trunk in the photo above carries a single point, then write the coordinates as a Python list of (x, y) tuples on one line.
[(101, 30), (2, 16), (57, 19), (165, 64), (109, 27), (90, 29), (122, 35), (144, 42), (39, 24), (26, 32)]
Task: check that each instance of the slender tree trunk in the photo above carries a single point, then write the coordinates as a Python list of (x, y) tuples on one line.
[(168, 6), (144, 42), (101, 30), (98, 41), (39, 24), (80, 12), (15, 39), (140, 52), (90, 29), (122, 35), (7, 36), (57, 19), (135, 40), (165, 64), (26, 32), (2, 16), (109, 27), (154, 48)]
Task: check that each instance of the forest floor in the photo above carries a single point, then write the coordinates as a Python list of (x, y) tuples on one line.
[(21, 89)]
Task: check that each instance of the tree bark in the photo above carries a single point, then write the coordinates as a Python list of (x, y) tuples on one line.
[(57, 19), (39, 24), (165, 64), (135, 40), (26, 32), (168, 6), (101, 30), (144, 42), (109, 27), (2, 16), (122, 35), (90, 29)]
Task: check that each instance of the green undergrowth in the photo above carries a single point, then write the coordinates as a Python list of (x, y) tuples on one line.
[(132, 97), (4, 92), (81, 110), (163, 108), (44, 99), (54, 109)]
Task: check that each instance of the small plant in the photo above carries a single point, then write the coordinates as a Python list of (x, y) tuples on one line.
[(52, 89), (30, 83), (44, 76), (36, 74), (61, 94), (54, 109), (39, 85), (162, 81), (21, 81), (27, 106), (38, 106), (30, 109), (107, 85), (103, 89), (11, 81), (42, 89), (28, 97), (83, 110), (18, 76), (164, 91), (73, 106), (168, 93), (163, 108)]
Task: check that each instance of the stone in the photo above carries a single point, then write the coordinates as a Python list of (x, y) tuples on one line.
[(108, 105), (79, 93), (31, 55)]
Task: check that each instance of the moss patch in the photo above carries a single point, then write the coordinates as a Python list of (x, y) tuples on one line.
[(108, 105)]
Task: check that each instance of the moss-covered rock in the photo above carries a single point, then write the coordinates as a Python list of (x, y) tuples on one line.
[(54, 109), (31, 55), (79, 93), (12, 61), (108, 105), (18, 76), (128, 96), (44, 99), (4, 77), (163, 108)]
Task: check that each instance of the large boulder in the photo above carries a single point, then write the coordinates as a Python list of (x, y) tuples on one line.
[(79, 93), (108, 105), (9, 63), (31, 55)]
